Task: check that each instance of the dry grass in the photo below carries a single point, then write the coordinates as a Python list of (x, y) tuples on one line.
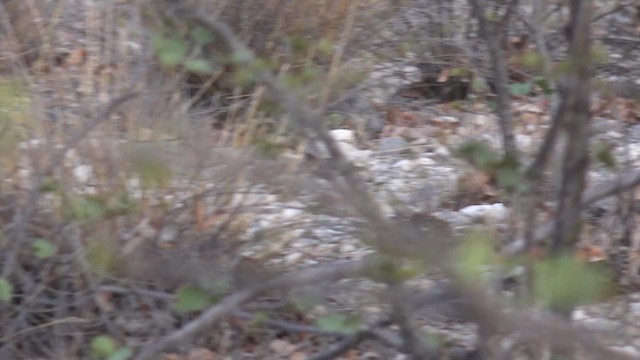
[(152, 177)]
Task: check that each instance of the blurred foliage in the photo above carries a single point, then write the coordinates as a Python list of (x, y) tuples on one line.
[(15, 103), (192, 298), (149, 164), (472, 259), (603, 152), (390, 269), (6, 290), (338, 323), (85, 209), (102, 255), (43, 248), (567, 281), (506, 170), (50, 185), (521, 89), (105, 347)]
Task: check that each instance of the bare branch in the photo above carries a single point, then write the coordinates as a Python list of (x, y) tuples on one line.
[(539, 328), (209, 317), (22, 217), (494, 36), (372, 331), (592, 195), (577, 123)]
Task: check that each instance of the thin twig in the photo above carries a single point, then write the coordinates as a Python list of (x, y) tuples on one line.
[(494, 34), (209, 317), (592, 195), (22, 217), (367, 332)]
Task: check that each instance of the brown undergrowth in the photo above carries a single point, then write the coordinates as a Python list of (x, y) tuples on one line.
[(116, 189)]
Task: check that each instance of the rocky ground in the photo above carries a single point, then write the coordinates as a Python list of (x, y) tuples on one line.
[(411, 169)]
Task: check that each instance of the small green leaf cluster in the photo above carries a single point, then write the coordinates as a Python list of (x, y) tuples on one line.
[(185, 49), (558, 282), (107, 348), (505, 169)]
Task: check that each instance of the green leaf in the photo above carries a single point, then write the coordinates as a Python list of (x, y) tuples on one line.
[(49, 185), (259, 318), (102, 256), (171, 51), (6, 290), (336, 323), (533, 59), (544, 84), (604, 154), (479, 154), (86, 209), (297, 45), (122, 205), (520, 89), (201, 35), (192, 298), (103, 346), (124, 353), (325, 46), (458, 71), (241, 57), (43, 249), (151, 168), (599, 54), (509, 173), (435, 341), (479, 85), (476, 252), (565, 281), (199, 66)]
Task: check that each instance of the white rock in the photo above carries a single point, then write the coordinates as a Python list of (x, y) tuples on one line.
[(290, 213), (168, 234), (412, 73), (629, 350), (599, 324), (352, 153), (425, 161), (392, 144), (482, 120), (406, 165), (530, 108), (524, 142), (446, 120), (325, 249), (613, 135), (634, 308), (456, 219), (293, 258), (83, 173), (347, 248), (345, 135), (487, 213), (442, 151), (579, 315), (634, 150)]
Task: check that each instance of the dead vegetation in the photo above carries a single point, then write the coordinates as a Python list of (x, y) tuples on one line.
[(143, 148)]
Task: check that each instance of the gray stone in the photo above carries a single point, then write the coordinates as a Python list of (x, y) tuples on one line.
[(488, 213), (393, 144)]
